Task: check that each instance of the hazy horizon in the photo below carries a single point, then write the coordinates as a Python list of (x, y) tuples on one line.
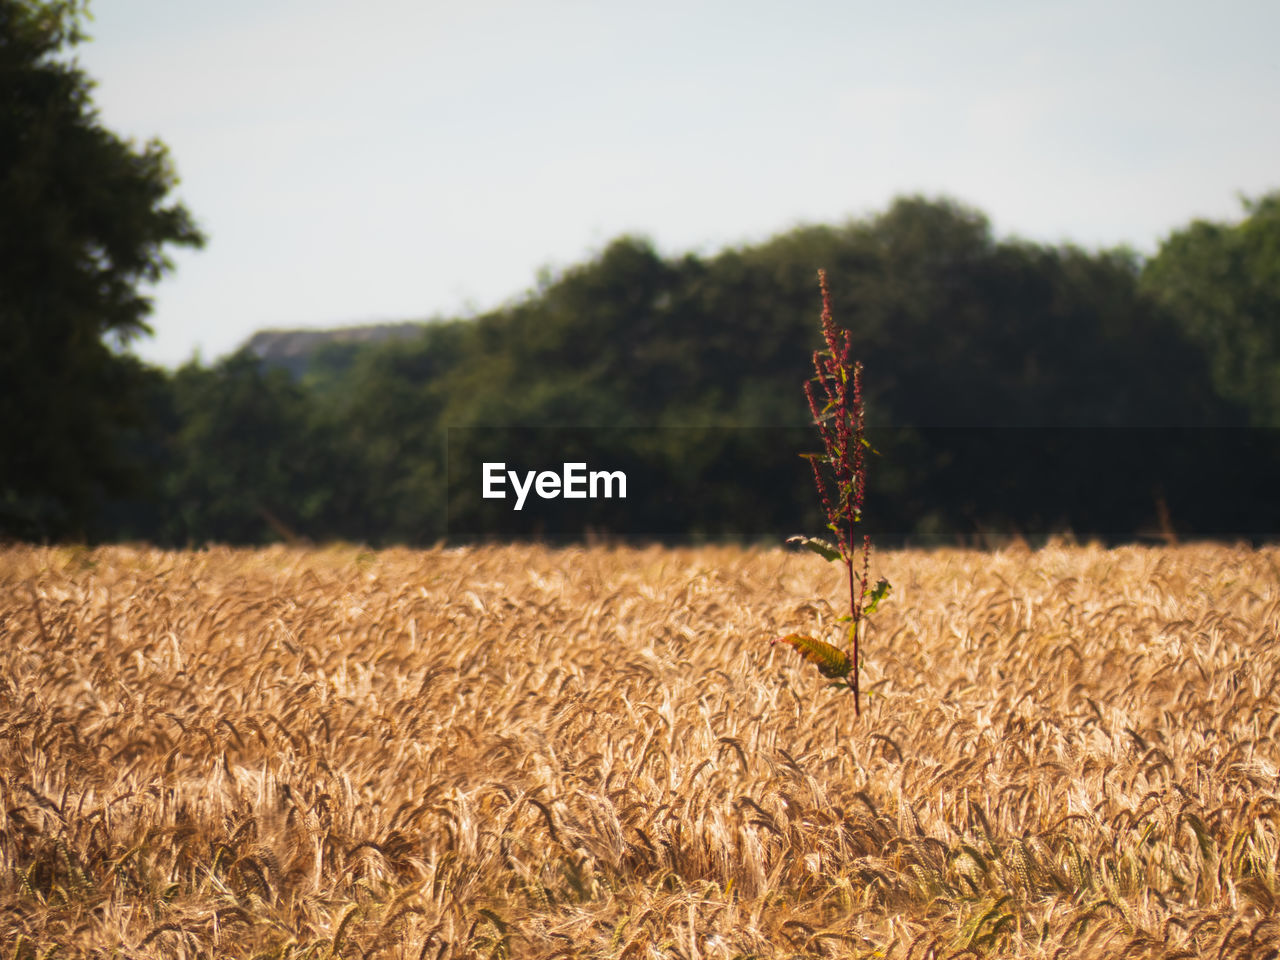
[(416, 161)]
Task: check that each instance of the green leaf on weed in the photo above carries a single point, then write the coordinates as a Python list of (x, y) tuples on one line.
[(825, 549), (881, 590)]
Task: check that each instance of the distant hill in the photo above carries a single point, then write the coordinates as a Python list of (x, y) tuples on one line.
[(293, 350)]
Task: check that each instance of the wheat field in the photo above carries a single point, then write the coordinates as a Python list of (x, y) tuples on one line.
[(526, 752)]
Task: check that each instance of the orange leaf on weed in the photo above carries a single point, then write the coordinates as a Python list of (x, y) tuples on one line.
[(830, 659)]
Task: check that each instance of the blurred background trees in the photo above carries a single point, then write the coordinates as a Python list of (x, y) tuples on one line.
[(1014, 388), (84, 220), (1221, 283)]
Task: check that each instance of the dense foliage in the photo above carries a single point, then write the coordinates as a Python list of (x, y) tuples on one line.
[(84, 219), (1222, 283), (1011, 388)]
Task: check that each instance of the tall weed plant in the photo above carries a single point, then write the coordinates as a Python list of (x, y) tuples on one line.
[(840, 474)]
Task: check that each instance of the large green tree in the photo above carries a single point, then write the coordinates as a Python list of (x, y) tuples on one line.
[(85, 218), (1222, 282)]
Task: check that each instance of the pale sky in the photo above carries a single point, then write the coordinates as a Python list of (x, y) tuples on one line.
[(395, 160)]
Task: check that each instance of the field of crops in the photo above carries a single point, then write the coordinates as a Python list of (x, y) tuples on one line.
[(524, 752)]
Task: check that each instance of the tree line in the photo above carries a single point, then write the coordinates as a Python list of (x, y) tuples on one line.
[(1012, 388)]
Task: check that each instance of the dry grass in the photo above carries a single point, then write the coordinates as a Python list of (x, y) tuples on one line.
[(594, 753)]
